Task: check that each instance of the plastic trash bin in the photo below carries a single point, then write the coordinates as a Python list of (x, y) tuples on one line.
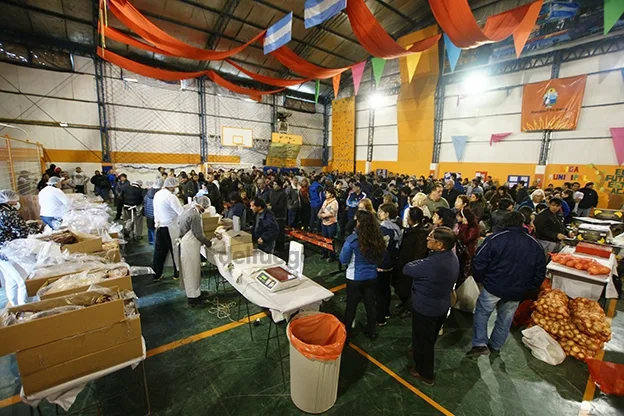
[(316, 343)]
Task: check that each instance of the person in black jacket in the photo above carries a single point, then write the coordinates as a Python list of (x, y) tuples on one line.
[(188, 189), (265, 230), (505, 205), (549, 228), (450, 193), (278, 204), (589, 201), (413, 247), (509, 264), (130, 201), (214, 193), (391, 232), (102, 185), (522, 192)]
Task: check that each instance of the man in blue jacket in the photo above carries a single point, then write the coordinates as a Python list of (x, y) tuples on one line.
[(354, 198), (509, 264), (265, 230), (316, 202)]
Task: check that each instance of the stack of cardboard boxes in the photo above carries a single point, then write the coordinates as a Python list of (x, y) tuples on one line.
[(238, 244), (210, 224), (72, 343)]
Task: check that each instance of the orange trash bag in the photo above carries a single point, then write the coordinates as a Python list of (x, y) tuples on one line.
[(318, 337), (609, 377)]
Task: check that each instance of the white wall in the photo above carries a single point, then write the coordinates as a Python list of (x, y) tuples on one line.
[(385, 132), (498, 110)]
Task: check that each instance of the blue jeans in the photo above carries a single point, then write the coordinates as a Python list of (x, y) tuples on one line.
[(104, 193), (292, 217), (315, 222), (505, 310), (51, 222), (329, 231), (267, 247)]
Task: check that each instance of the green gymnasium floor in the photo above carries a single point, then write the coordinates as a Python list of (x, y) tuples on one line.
[(223, 372)]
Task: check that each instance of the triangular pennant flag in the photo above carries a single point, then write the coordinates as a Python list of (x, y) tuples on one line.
[(317, 91), (613, 10), (459, 142), (378, 67), (617, 135), (452, 52), (497, 137), (412, 61), (357, 71), (336, 81)]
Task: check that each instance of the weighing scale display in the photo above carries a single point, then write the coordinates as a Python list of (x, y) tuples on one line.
[(277, 278)]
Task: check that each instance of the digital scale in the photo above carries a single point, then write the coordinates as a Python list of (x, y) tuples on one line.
[(275, 279)]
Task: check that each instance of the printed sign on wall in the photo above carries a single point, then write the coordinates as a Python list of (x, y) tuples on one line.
[(553, 105)]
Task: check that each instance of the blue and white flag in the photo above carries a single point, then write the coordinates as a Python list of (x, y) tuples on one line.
[(279, 34), (316, 12)]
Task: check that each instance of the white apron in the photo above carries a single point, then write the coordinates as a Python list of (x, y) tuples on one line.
[(14, 281), (190, 265)]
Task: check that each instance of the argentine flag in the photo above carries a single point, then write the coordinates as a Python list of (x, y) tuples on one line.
[(279, 34), (317, 11)]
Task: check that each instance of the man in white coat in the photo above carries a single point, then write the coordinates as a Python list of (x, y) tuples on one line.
[(53, 203), (192, 238), (167, 208)]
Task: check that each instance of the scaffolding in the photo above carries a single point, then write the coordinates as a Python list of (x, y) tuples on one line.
[(21, 165)]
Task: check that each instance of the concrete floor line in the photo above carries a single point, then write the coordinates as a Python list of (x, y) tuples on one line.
[(395, 376), (590, 388)]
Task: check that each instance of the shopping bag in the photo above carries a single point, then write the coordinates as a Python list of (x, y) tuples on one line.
[(467, 295), (543, 346), (609, 377)]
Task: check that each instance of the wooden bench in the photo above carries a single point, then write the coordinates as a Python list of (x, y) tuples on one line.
[(318, 240)]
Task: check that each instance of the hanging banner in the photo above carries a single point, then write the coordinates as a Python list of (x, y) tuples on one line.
[(412, 63), (613, 10), (459, 143), (553, 105), (452, 52), (378, 67), (357, 71), (317, 91), (617, 135), (497, 137), (336, 82)]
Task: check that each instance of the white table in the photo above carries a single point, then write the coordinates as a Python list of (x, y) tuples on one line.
[(64, 395), (306, 296), (579, 283)]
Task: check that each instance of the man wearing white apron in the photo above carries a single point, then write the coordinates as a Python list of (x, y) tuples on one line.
[(192, 232), (167, 208)]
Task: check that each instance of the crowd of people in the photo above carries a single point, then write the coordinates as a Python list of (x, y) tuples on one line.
[(421, 237)]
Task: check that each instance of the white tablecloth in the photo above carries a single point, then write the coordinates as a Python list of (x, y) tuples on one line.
[(582, 284), (65, 394), (307, 296)]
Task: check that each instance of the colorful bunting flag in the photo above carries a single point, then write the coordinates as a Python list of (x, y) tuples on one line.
[(279, 34), (378, 67), (617, 135), (336, 82), (317, 91), (452, 52), (412, 61), (459, 143), (316, 12), (497, 137), (613, 10), (357, 71)]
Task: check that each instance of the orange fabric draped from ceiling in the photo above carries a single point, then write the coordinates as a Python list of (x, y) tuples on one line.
[(374, 38), (128, 40), (166, 75), (143, 27), (300, 66), (457, 21)]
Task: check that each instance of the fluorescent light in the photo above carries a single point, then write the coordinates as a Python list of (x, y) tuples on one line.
[(250, 100), (475, 82), (131, 80), (375, 100), (63, 124)]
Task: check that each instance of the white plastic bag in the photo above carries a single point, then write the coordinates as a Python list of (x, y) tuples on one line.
[(467, 295), (543, 346)]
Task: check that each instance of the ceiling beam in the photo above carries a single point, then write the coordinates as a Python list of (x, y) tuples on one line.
[(254, 25), (397, 12), (222, 22), (299, 17), (28, 7)]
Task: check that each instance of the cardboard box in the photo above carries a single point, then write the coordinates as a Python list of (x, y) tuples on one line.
[(239, 251), (33, 285), (209, 223), (82, 366), (122, 283), (112, 256), (49, 355), (236, 237), (41, 331), (87, 243)]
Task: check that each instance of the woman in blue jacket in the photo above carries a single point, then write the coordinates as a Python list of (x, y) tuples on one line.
[(362, 252)]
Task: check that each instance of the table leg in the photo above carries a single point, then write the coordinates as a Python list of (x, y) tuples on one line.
[(146, 390), (266, 350), (249, 319), (279, 353)]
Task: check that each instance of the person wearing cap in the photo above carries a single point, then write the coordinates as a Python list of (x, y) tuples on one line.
[(148, 207), (167, 208), (129, 202), (192, 238), (589, 201), (13, 226), (53, 203)]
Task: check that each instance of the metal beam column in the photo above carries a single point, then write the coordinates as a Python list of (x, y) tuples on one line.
[(325, 157), (101, 102), (203, 134), (438, 103), (547, 134)]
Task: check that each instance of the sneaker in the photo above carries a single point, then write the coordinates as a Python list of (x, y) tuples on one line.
[(414, 373), (384, 323), (158, 279), (387, 317), (176, 278), (476, 352), (441, 332), (492, 350)]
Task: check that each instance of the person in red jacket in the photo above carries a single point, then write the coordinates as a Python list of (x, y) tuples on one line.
[(468, 236)]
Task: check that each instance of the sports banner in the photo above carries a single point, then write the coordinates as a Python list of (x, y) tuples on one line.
[(553, 105)]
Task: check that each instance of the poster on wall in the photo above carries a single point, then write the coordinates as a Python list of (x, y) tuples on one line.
[(553, 105), (382, 172), (483, 175), (515, 179)]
